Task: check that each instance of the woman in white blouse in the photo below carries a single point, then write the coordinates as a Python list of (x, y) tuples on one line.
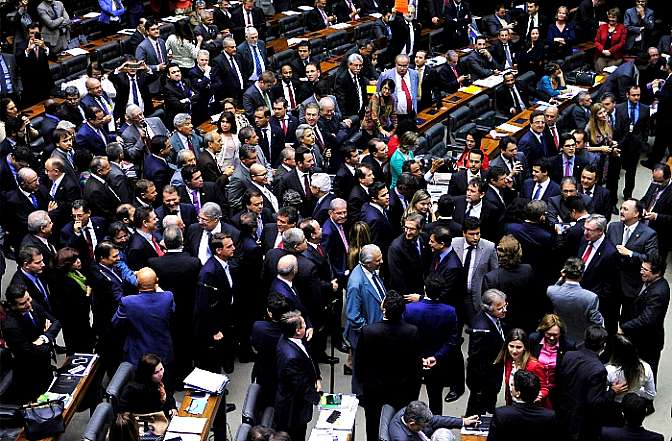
[(626, 367), (181, 47)]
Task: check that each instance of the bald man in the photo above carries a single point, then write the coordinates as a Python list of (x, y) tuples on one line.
[(146, 318), (288, 267), (97, 97)]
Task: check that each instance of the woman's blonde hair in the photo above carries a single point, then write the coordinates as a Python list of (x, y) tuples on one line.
[(550, 320), (420, 195), (360, 235), (509, 252), (598, 130)]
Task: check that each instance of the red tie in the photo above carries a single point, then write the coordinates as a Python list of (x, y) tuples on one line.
[(586, 254), (306, 187), (190, 144), (284, 126), (320, 250), (556, 140), (292, 102), (157, 248), (409, 100)]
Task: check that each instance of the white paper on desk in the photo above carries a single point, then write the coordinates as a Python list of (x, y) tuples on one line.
[(464, 431), (91, 15), (376, 14), (126, 31), (172, 19), (328, 435), (187, 424), (340, 26), (293, 41), (437, 61), (184, 436), (76, 51), (490, 82), (206, 380), (215, 118), (291, 13), (610, 69), (306, 8), (508, 128)]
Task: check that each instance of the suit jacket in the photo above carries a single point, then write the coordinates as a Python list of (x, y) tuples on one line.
[(122, 84), (399, 431), (580, 116), (296, 394), (343, 183), (88, 138), (134, 146), (663, 208), (290, 137), (346, 93), (247, 58), (173, 96), (67, 192), (335, 248), (636, 133), (437, 328), (252, 98), (238, 23), (321, 210), (582, 397), (32, 363), (146, 51), (208, 166), (196, 142), (18, 208), (146, 317), (449, 223), (225, 81), (139, 252), (485, 343), (452, 272), (19, 278), (504, 98), (68, 238), (458, 183), (281, 287), (619, 81), (264, 338), (207, 193), (362, 305), (381, 229), (68, 167), (157, 170), (358, 196), (119, 183), (202, 85), (102, 200), (10, 61), (290, 181), (558, 211), (178, 273), (222, 19), (187, 213), (576, 306), (413, 77), (490, 216), (643, 323), (306, 282), (529, 186), (493, 25), (274, 146), (106, 292), (499, 54), (479, 66), (315, 21), (598, 274), (522, 294), (644, 245), (194, 234), (407, 264), (214, 300), (483, 260), (508, 421), (447, 79), (557, 169), (533, 149), (629, 433)]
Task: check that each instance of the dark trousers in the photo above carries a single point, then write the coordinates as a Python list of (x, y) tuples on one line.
[(434, 380), (629, 164), (609, 308), (484, 385), (660, 145)]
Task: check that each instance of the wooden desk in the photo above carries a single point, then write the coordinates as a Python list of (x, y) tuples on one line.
[(473, 438), (281, 44), (210, 411), (449, 103), (77, 398), (92, 45)]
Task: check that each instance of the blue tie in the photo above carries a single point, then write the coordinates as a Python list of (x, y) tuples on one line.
[(257, 61), (134, 89), (33, 199), (39, 285), (633, 114), (537, 192), (379, 286), (30, 317)]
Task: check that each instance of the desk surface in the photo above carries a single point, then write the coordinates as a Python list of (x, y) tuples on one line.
[(210, 411), (77, 397)]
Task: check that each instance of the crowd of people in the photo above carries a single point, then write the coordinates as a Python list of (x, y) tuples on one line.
[(302, 217)]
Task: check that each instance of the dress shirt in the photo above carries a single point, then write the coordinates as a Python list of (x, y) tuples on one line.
[(627, 232), (596, 245), (497, 323), (402, 199), (269, 195), (378, 207), (369, 276), (227, 270), (355, 79), (544, 186), (141, 102), (475, 209), (408, 48), (497, 192), (566, 166), (233, 63), (470, 270), (401, 96), (204, 247), (55, 184), (147, 236), (299, 343)]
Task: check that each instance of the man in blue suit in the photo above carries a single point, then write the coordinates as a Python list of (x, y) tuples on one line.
[(156, 167), (406, 93), (437, 329), (533, 143), (93, 135), (146, 317), (635, 409), (416, 417), (253, 54), (288, 267), (335, 239), (540, 186), (97, 97)]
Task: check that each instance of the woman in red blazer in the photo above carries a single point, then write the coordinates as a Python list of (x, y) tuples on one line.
[(610, 41), (516, 355)]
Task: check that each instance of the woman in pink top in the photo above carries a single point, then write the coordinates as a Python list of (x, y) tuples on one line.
[(548, 345)]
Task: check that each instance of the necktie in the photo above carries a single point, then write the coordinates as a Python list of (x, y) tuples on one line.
[(589, 193), (341, 233), (33, 200), (267, 98), (320, 250), (468, 212), (157, 248), (195, 198), (190, 144), (421, 72), (633, 119), (318, 137), (436, 261), (30, 317), (626, 236), (52, 192), (5, 83), (509, 60), (53, 10), (89, 241), (292, 102), (359, 91), (537, 193), (455, 72), (516, 101), (257, 61), (103, 104), (530, 26), (654, 198), (586, 254), (306, 186), (260, 227), (556, 140), (612, 119), (42, 289), (568, 167), (234, 65), (409, 100), (379, 286), (467, 259), (498, 324), (134, 91), (159, 56), (284, 126), (249, 18), (324, 17)]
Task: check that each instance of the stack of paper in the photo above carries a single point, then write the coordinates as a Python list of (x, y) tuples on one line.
[(291, 13), (206, 381), (490, 82), (306, 8), (293, 41), (91, 15), (340, 26), (506, 127), (187, 425), (76, 51)]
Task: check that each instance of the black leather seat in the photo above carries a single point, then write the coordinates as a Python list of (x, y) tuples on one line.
[(73, 67), (108, 51), (123, 375)]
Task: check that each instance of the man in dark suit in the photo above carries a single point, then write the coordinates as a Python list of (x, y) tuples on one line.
[(428, 81), (540, 186), (558, 211), (457, 18), (600, 200), (246, 16), (132, 87), (179, 97), (566, 163), (350, 87), (512, 97), (635, 243), (146, 316), (635, 409), (100, 196), (475, 204), (9, 166), (271, 137), (19, 203), (643, 322), (445, 210), (320, 186), (334, 238), (600, 258), (376, 159), (635, 118), (582, 397), (524, 413), (534, 143), (501, 19), (70, 109), (30, 332), (258, 94), (374, 213), (221, 15), (143, 244), (10, 86), (40, 229), (405, 33), (30, 275), (480, 63), (662, 91), (207, 160), (177, 272), (213, 309), (227, 76), (450, 78), (155, 166), (302, 59), (320, 17), (152, 50), (344, 180), (359, 193), (299, 180), (533, 19), (299, 380), (64, 190), (388, 362), (287, 269), (415, 422), (504, 52), (84, 232), (252, 52), (93, 134), (289, 88), (287, 122), (408, 257), (97, 97), (33, 63), (487, 336), (171, 205), (658, 203), (458, 181)]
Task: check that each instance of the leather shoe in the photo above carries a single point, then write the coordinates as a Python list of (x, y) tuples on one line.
[(325, 359), (230, 407), (452, 396), (347, 370), (342, 347)]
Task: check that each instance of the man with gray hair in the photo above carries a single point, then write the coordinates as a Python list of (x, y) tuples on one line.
[(320, 187), (64, 190), (600, 258), (197, 238), (406, 85), (576, 306), (40, 228), (184, 158), (484, 374), (581, 111), (19, 203), (350, 87), (227, 77), (450, 78), (408, 423), (139, 132), (185, 136), (253, 53), (287, 268), (172, 220)]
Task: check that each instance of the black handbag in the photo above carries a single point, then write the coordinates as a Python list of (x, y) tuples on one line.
[(43, 420)]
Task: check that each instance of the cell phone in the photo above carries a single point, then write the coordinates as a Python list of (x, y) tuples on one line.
[(133, 65), (38, 35)]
